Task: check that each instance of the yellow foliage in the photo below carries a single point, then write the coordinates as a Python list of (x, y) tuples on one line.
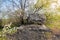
[(38, 4), (53, 20), (43, 3)]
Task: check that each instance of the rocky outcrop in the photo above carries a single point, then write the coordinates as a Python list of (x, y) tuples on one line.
[(30, 32), (33, 30), (35, 18)]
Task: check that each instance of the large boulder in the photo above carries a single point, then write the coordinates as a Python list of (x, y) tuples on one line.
[(30, 32), (35, 18)]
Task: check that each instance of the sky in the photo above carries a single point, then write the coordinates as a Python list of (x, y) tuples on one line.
[(5, 3), (8, 3)]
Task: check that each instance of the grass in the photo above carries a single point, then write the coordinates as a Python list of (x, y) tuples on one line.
[(7, 30)]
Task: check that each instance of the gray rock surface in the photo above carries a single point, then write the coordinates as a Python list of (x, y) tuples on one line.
[(35, 18), (29, 32), (33, 30)]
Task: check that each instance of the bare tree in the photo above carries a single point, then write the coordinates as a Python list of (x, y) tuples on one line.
[(21, 13)]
